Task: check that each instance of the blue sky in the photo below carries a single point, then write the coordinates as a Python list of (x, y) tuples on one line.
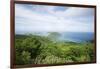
[(42, 18)]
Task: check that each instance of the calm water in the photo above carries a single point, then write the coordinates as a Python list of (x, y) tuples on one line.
[(77, 36), (72, 36)]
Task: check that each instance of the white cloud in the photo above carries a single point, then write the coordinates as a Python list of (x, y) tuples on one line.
[(45, 18)]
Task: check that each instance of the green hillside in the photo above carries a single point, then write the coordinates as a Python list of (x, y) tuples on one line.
[(36, 49)]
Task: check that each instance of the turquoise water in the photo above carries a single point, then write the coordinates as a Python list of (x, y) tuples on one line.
[(77, 36), (70, 36), (73, 36)]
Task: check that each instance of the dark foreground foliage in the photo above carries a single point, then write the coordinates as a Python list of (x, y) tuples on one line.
[(35, 49)]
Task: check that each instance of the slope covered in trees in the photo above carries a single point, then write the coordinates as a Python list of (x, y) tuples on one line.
[(36, 49)]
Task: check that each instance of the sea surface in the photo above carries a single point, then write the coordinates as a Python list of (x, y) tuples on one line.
[(77, 36), (71, 36)]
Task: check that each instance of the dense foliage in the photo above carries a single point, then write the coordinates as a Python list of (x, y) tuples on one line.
[(36, 49)]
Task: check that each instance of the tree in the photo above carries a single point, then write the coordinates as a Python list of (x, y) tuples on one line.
[(23, 58), (53, 35)]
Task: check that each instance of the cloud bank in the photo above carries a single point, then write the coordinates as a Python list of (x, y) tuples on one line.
[(42, 18)]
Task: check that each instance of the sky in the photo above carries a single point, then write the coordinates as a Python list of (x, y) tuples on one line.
[(31, 18)]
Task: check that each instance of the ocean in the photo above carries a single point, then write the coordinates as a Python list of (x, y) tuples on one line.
[(70, 36), (77, 36), (73, 36)]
